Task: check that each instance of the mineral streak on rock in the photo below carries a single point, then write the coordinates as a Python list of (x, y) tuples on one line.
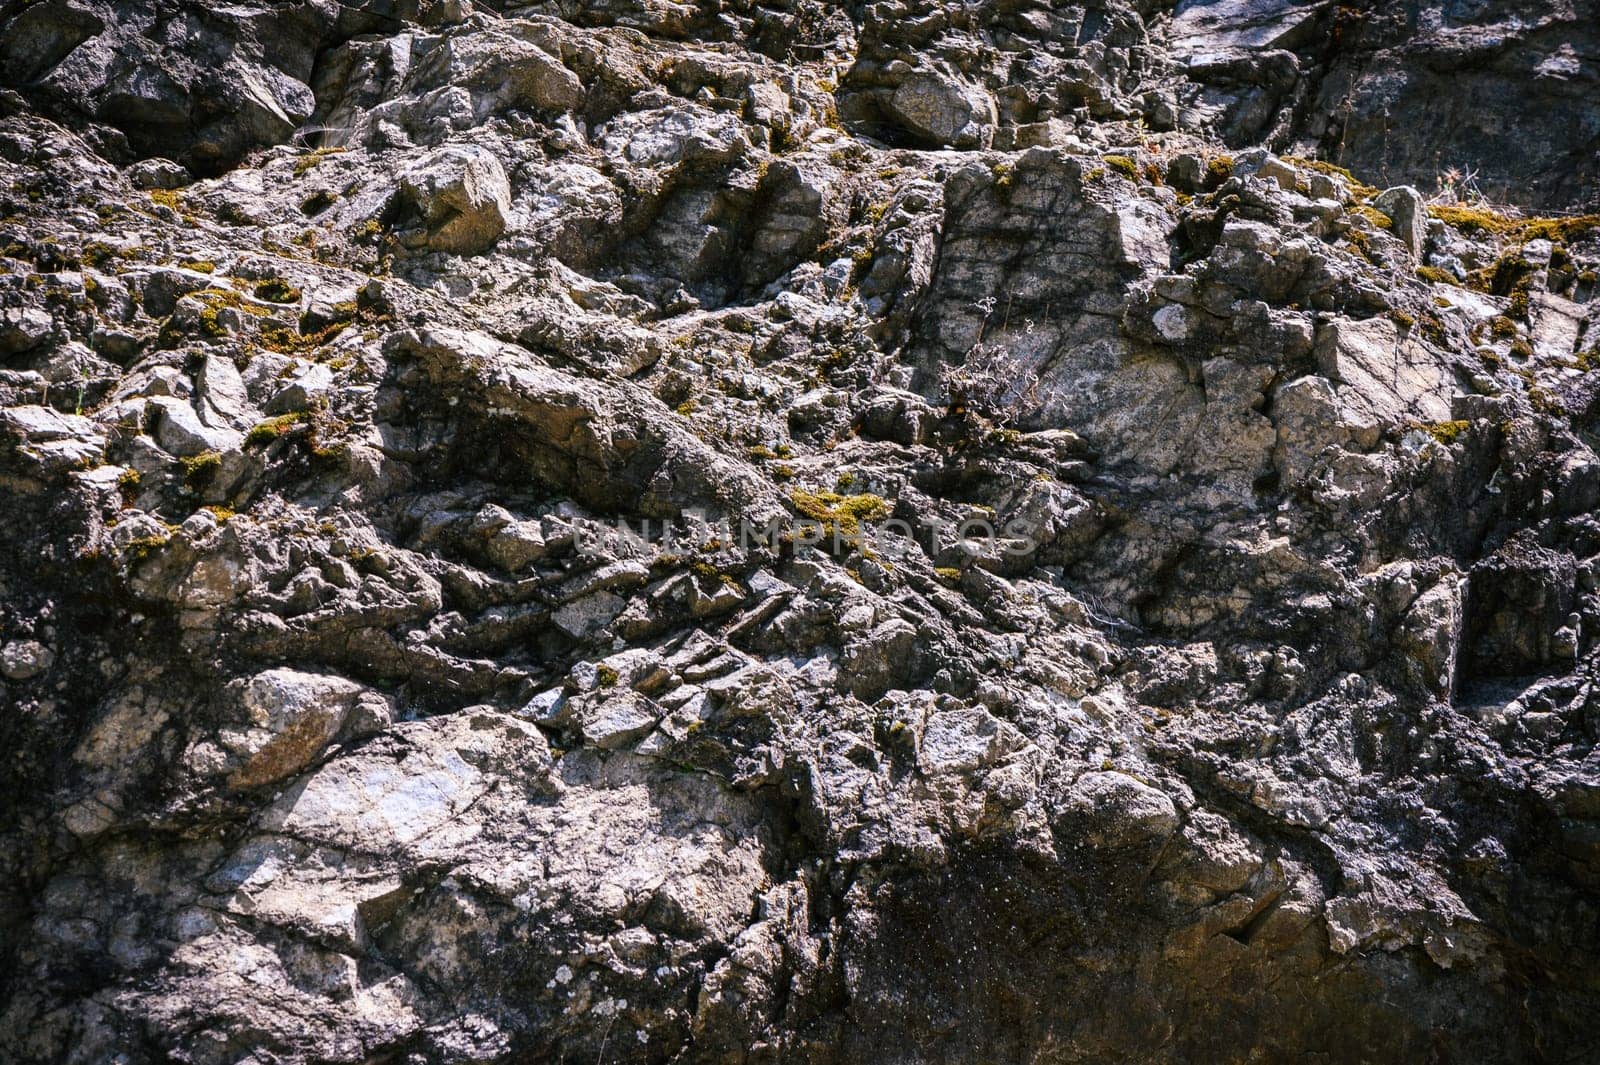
[(752, 532)]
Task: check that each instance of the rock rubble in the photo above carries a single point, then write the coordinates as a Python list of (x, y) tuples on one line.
[(744, 532)]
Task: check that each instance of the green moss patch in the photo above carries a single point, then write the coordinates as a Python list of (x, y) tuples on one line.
[(275, 428), (199, 469), (839, 513), (277, 290), (1122, 165), (1446, 433)]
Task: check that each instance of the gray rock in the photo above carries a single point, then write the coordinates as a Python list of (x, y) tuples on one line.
[(23, 328), (178, 428), (462, 196), (1199, 27), (44, 425), (1409, 214), (1220, 637), (223, 401), (1268, 167), (585, 616), (1384, 380), (25, 659), (615, 719), (304, 387), (1122, 812), (943, 110), (158, 174), (288, 717), (160, 289)]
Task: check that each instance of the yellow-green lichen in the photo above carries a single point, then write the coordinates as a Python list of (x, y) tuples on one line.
[(1377, 218), (839, 513), (198, 469), (1005, 175), (1219, 168), (1484, 220), (287, 341), (214, 301), (312, 158), (1446, 433), (274, 428), (1123, 165), (277, 290), (144, 547)]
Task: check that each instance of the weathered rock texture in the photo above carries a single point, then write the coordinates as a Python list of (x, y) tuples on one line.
[(330, 331)]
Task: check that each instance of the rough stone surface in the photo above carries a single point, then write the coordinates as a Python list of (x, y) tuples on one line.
[(1408, 217), (462, 196), (756, 532)]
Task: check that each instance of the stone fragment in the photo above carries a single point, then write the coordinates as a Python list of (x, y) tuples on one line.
[(1432, 631), (23, 328), (1201, 27), (223, 401), (585, 616), (178, 428), (1518, 600), (25, 659), (1120, 812), (1408, 216), (158, 174), (288, 717), (614, 718), (1268, 167)]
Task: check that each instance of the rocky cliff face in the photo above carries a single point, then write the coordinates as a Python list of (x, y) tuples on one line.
[(646, 531)]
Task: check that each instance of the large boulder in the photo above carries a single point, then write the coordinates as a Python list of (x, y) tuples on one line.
[(286, 717), (463, 197), (193, 84), (1202, 27), (943, 111)]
